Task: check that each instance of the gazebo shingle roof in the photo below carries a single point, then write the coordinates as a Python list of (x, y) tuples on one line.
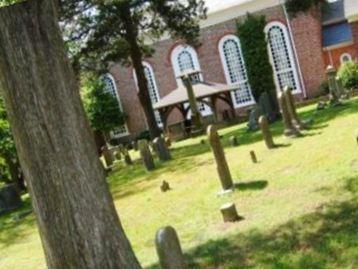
[(201, 90)]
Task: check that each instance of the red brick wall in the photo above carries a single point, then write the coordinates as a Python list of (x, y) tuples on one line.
[(307, 35), (333, 57)]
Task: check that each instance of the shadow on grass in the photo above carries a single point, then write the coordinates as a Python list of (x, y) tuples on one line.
[(323, 239), (320, 121), (182, 161), (15, 225), (251, 186)]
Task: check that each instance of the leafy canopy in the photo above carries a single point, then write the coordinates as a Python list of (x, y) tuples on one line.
[(97, 31), (254, 48), (348, 72), (102, 108)]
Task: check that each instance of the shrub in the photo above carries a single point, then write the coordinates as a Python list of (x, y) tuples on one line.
[(297, 6), (348, 72)]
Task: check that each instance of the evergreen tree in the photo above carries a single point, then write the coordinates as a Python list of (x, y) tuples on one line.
[(100, 32)]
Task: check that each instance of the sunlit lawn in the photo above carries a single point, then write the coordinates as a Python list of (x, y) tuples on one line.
[(299, 202)]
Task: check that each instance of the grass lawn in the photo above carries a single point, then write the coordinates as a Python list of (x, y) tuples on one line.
[(299, 203)]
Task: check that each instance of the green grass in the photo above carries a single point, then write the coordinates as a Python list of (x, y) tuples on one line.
[(299, 203)]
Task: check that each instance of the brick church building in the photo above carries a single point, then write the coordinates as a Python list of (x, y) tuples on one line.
[(299, 49)]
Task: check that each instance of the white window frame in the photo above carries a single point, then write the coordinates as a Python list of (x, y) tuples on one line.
[(151, 71), (222, 42), (126, 132), (346, 54), (177, 72), (290, 55)]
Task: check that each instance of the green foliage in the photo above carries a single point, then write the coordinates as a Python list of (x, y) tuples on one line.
[(102, 108), (297, 6), (110, 30), (4, 3), (7, 144), (348, 72), (254, 48)]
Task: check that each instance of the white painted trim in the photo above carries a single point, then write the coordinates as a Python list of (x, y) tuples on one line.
[(226, 68), (227, 12), (337, 46), (290, 55), (292, 39), (345, 55), (149, 66), (177, 72), (119, 103)]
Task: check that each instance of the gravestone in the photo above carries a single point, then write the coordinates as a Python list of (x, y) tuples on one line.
[(168, 142), (146, 155), (220, 159), (10, 198), (253, 156), (331, 73), (265, 107), (135, 145), (108, 156), (229, 213), (124, 151), (233, 141), (265, 129), (169, 250), (165, 186), (252, 125), (291, 104), (161, 149), (118, 155), (289, 129)]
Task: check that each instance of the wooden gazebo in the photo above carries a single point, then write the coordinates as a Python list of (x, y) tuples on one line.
[(205, 92)]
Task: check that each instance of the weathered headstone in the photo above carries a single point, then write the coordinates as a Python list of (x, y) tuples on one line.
[(108, 156), (229, 213), (168, 142), (221, 163), (10, 198), (265, 129), (291, 104), (253, 156), (331, 73), (321, 105), (146, 155), (165, 186), (161, 149), (124, 151), (135, 145), (118, 155), (265, 107), (252, 125), (289, 129), (169, 250), (233, 141)]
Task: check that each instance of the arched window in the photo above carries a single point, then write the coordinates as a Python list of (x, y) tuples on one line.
[(281, 56), (345, 58), (185, 59), (152, 87), (235, 70), (110, 87)]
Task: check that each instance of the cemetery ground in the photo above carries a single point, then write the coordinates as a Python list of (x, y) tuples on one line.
[(299, 202)]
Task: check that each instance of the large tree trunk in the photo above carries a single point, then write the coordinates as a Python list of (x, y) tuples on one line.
[(136, 57), (78, 223)]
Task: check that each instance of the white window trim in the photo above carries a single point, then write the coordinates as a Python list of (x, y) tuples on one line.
[(120, 106), (290, 55), (177, 72), (149, 66), (226, 68), (174, 56), (346, 54)]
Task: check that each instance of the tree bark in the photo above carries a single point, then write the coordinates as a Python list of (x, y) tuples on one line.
[(78, 223), (136, 57)]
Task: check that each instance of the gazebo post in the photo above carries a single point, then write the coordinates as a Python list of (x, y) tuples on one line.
[(195, 114), (231, 103), (213, 99)]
